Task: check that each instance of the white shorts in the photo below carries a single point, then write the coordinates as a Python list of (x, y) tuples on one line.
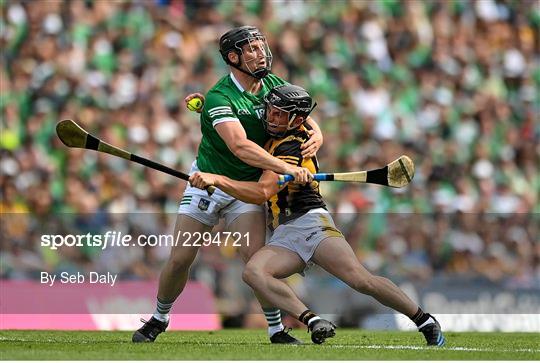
[(208, 210), (304, 234)]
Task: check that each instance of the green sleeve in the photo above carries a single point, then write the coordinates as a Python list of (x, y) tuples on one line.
[(218, 108)]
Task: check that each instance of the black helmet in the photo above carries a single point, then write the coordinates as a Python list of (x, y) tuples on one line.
[(291, 99), (234, 39)]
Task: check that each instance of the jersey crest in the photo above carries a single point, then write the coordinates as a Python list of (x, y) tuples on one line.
[(204, 204)]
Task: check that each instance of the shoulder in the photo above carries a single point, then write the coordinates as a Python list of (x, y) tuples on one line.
[(292, 142), (218, 106), (287, 146), (287, 149), (274, 80), (218, 97), (220, 91)]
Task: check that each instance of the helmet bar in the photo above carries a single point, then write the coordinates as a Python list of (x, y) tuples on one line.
[(292, 102), (294, 110), (234, 39)]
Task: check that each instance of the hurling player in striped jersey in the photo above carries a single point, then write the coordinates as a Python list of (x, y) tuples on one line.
[(303, 230)]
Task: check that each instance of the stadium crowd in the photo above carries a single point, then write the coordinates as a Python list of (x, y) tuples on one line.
[(453, 84)]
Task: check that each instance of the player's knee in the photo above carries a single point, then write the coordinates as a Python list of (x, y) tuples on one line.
[(179, 264), (253, 275)]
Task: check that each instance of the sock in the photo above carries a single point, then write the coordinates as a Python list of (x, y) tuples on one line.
[(421, 319), (273, 317), (308, 317), (162, 310)]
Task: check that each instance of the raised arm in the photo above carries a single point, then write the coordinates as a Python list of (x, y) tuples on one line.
[(249, 192)]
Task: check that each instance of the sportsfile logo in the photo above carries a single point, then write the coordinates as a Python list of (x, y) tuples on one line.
[(120, 239)]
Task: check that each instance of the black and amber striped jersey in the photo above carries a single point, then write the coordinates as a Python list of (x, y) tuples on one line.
[(294, 200)]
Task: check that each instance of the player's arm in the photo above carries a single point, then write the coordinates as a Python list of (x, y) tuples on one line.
[(311, 146), (246, 150), (252, 192), (219, 112), (249, 192), (309, 149), (250, 153)]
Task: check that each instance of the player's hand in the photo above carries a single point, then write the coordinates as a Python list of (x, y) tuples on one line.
[(195, 95), (310, 147), (202, 180), (301, 175)]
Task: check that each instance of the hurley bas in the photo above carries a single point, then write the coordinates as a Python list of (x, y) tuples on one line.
[(79, 278)]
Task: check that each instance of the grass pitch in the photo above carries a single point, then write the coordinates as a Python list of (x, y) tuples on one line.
[(254, 345)]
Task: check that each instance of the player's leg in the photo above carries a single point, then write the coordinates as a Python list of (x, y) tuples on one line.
[(250, 222), (336, 256), (251, 226), (264, 272), (175, 273), (198, 212), (173, 278)]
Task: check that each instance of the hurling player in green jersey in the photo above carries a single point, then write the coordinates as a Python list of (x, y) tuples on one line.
[(228, 102), (233, 137)]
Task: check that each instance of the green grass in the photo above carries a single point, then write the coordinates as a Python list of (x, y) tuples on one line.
[(254, 345)]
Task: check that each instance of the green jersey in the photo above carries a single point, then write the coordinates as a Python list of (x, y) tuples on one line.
[(227, 101)]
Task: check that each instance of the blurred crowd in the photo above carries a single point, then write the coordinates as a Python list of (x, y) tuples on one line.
[(454, 84)]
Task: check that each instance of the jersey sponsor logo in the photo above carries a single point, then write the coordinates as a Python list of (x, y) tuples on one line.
[(243, 111), (204, 204), (311, 236)]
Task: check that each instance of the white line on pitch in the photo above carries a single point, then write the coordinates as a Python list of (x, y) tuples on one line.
[(413, 347), (392, 347)]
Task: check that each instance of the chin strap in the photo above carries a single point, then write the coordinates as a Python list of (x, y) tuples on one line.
[(258, 74), (289, 126)]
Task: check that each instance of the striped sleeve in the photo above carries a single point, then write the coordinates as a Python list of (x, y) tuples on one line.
[(218, 109)]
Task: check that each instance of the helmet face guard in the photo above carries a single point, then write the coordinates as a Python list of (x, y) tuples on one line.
[(251, 39), (287, 107), (256, 45)]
